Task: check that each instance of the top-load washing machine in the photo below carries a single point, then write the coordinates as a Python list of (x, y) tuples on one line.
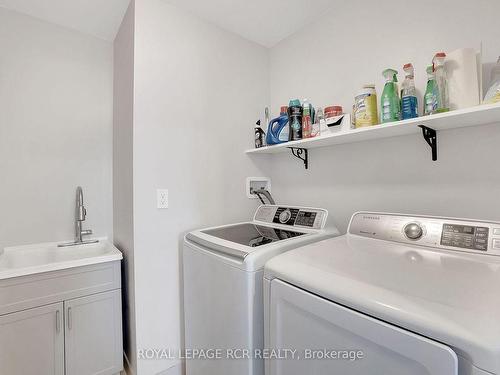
[(223, 273), (396, 295)]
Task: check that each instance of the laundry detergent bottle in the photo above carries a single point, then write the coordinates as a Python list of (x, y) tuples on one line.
[(390, 104), (295, 120), (278, 130)]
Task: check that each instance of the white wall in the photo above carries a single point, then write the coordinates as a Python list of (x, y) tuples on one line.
[(123, 213), (198, 92), (55, 130), (331, 59)]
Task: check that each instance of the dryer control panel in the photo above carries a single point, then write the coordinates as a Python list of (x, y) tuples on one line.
[(445, 233), (305, 217), (465, 236)]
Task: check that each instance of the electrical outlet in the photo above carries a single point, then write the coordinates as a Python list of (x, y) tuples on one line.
[(162, 198)]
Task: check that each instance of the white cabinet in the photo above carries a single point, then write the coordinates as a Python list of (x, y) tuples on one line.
[(65, 322), (32, 341), (93, 334)]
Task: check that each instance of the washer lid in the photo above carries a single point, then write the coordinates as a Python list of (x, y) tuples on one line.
[(242, 239), (252, 235), (451, 297)]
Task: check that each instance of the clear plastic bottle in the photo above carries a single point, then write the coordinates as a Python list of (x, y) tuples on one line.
[(409, 103), (442, 82), (431, 93), (319, 122), (493, 94), (495, 72)]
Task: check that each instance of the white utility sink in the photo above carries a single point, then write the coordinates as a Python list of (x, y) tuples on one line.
[(31, 259)]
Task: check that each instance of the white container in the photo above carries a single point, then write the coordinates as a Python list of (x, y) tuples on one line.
[(365, 111), (336, 124), (462, 69)]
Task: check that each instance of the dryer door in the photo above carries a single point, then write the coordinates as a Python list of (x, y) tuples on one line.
[(354, 344)]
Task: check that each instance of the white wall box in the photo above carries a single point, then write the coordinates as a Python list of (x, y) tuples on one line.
[(428, 125), (62, 323), (256, 183)]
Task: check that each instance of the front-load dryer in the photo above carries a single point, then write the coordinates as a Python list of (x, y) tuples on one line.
[(396, 295), (223, 273)]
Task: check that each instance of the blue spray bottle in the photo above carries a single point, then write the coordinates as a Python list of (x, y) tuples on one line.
[(409, 103)]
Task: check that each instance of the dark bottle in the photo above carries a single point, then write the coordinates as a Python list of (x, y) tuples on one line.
[(260, 135), (295, 120)]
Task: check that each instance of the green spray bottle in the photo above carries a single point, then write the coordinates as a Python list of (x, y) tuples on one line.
[(390, 103), (431, 97)]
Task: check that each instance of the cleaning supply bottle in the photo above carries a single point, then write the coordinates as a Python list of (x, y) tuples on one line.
[(307, 119), (409, 103), (295, 120), (278, 129), (390, 105), (493, 94), (431, 93), (260, 136), (442, 82)]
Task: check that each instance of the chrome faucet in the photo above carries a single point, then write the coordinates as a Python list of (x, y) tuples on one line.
[(80, 216)]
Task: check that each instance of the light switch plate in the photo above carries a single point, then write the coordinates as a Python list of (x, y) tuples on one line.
[(162, 198)]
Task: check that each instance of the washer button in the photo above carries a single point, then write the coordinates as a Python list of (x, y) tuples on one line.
[(496, 244), (496, 231)]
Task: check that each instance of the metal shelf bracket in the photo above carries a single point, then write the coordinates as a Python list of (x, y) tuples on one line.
[(302, 154), (430, 137)]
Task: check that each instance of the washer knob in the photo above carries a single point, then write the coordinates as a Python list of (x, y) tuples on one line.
[(285, 216), (413, 231)]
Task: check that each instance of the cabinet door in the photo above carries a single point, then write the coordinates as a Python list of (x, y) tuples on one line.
[(32, 341), (94, 334)]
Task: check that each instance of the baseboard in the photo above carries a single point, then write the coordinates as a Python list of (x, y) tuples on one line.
[(176, 369)]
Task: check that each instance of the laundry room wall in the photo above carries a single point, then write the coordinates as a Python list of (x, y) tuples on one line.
[(198, 92), (56, 88), (330, 60), (123, 192)]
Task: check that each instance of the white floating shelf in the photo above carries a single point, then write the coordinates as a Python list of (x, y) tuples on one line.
[(475, 116)]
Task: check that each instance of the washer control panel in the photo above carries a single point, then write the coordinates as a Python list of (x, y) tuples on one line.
[(451, 234), (313, 218), (285, 215)]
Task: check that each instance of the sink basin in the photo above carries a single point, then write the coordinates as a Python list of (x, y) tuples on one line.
[(31, 259)]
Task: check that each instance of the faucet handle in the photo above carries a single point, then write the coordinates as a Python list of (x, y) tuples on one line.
[(86, 232)]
